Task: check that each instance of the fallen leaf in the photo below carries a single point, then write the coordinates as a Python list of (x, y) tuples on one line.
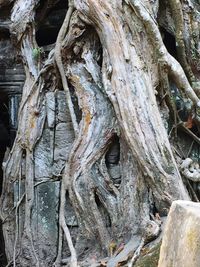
[(189, 122)]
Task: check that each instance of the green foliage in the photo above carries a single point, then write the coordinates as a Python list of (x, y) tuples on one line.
[(36, 53)]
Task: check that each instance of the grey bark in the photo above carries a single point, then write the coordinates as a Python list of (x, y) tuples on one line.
[(91, 135)]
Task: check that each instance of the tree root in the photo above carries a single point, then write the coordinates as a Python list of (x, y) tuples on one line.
[(174, 68), (73, 260), (178, 123), (94, 137), (90, 188), (137, 253), (191, 190), (168, 96), (104, 171), (16, 229), (177, 14), (190, 170), (189, 132), (33, 87), (58, 58)]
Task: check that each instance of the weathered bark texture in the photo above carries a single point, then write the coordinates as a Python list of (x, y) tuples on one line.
[(96, 161)]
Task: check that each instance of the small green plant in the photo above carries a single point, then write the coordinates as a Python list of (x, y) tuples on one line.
[(36, 53)]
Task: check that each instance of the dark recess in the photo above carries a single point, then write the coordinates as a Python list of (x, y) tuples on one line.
[(113, 153), (50, 23), (4, 142), (170, 42)]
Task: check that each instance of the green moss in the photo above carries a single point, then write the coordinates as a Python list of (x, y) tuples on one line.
[(149, 258), (192, 239)]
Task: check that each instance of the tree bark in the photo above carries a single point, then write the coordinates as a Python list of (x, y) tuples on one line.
[(118, 165)]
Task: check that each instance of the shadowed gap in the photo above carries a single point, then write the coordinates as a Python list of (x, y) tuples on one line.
[(169, 42), (50, 23), (4, 143)]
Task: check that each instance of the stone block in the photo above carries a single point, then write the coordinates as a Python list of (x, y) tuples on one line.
[(63, 114), (45, 220), (43, 156), (51, 109), (58, 135), (181, 241)]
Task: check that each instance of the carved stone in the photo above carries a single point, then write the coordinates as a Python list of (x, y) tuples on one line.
[(181, 241)]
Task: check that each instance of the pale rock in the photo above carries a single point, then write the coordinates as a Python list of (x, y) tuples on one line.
[(51, 108), (181, 241)]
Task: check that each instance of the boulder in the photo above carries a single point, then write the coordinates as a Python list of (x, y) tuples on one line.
[(181, 241)]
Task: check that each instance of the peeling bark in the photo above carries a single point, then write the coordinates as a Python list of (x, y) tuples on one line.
[(104, 148)]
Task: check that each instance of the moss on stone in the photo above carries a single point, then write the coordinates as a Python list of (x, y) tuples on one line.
[(149, 258)]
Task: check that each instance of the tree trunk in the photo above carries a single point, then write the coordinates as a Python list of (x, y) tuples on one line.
[(94, 130)]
